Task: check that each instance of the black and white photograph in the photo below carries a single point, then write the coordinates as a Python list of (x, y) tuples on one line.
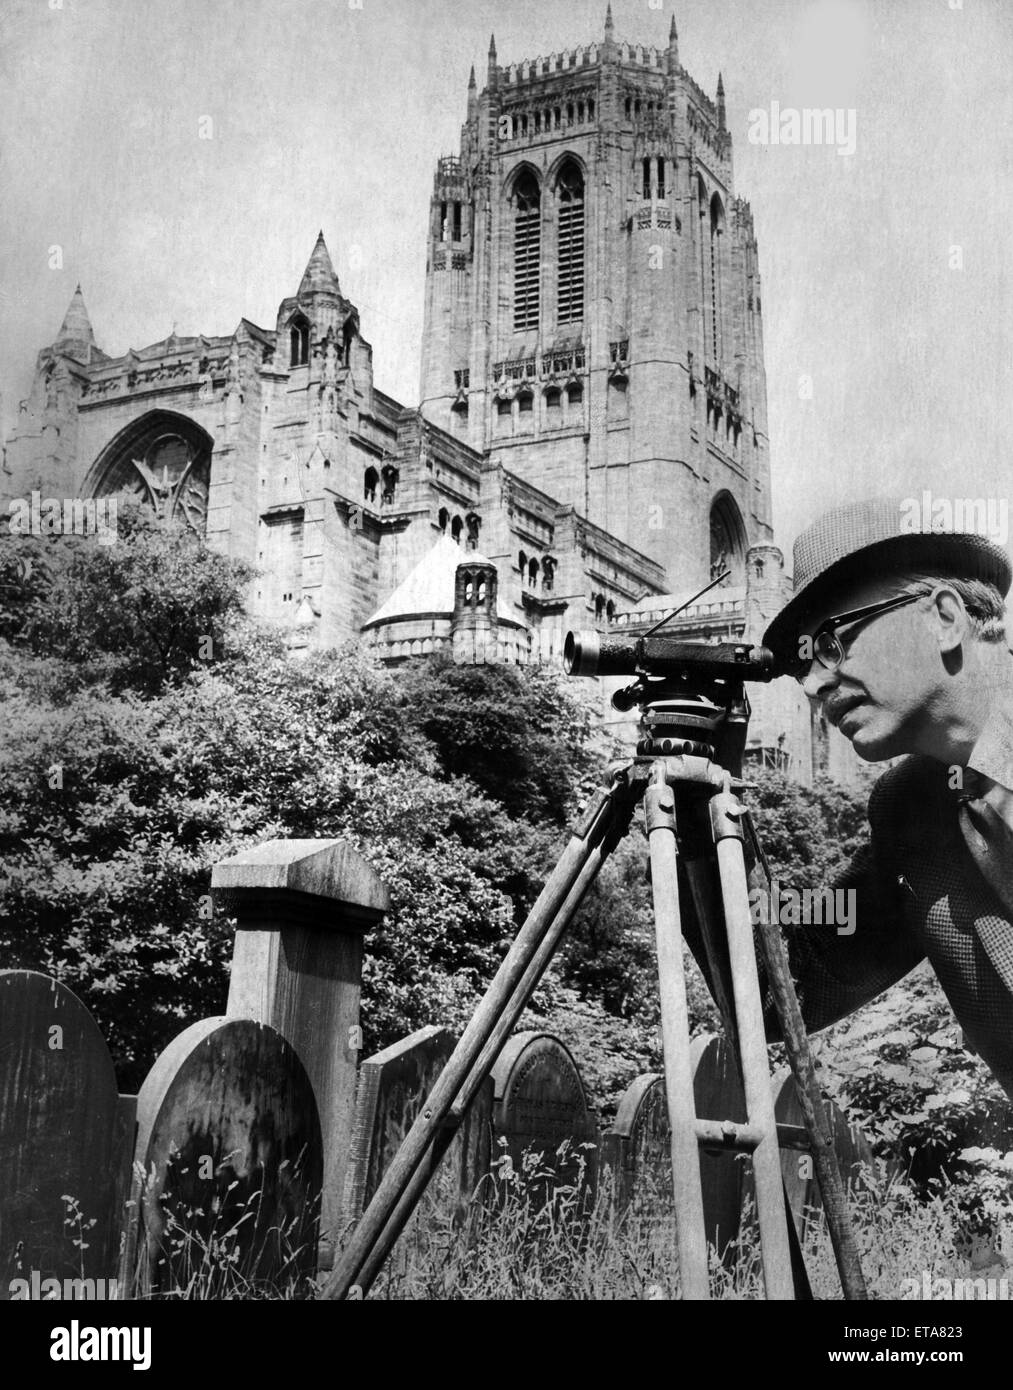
[(507, 707)]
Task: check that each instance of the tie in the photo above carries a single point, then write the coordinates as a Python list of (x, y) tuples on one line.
[(989, 837)]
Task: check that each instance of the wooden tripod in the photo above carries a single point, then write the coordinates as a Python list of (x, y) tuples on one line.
[(692, 813)]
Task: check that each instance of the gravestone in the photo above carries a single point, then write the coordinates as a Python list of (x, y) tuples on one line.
[(539, 1104), (718, 1094), (302, 908), (850, 1144), (392, 1087), (637, 1150), (228, 1142), (63, 1134), (641, 1137)]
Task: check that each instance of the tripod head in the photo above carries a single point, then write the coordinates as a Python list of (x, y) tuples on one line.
[(691, 694)]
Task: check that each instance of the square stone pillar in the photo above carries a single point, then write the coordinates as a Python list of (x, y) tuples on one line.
[(303, 907)]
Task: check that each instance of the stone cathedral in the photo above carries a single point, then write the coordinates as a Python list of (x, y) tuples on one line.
[(590, 446)]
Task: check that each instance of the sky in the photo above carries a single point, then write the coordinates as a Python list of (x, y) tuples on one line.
[(887, 279)]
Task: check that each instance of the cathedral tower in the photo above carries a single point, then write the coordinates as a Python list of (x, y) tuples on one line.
[(593, 308)]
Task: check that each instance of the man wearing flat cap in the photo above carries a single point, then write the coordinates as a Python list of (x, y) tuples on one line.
[(900, 634)]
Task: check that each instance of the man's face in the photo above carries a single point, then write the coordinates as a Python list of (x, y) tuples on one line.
[(888, 691)]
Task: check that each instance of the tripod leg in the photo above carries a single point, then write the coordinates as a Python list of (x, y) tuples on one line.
[(726, 816), (537, 966), (376, 1227), (796, 1045), (659, 806)]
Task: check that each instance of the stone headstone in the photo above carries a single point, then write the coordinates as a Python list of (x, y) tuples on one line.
[(392, 1087), (637, 1147), (302, 908), (228, 1141), (800, 1182), (540, 1105), (63, 1134), (718, 1094)]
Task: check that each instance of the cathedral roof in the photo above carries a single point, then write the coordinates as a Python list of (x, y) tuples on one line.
[(319, 273), (428, 590)]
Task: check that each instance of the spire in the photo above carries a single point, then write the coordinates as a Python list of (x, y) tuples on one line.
[(673, 46), (472, 95), (319, 274), (609, 46), (492, 60), (75, 331), (721, 103)]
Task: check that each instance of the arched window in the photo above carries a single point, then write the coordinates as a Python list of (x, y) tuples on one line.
[(570, 265), (548, 573), (390, 477), (532, 573), (661, 177), (647, 179), (455, 529), (610, 610), (599, 606), (457, 221), (525, 402), (522, 563), (468, 592), (717, 227), (527, 250), (728, 539), (298, 341), (480, 596), (553, 401), (369, 484), (444, 519), (574, 393)]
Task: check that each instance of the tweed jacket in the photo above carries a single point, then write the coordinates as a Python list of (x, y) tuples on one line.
[(919, 893)]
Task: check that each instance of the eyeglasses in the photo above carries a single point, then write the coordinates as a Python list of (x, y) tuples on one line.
[(827, 647)]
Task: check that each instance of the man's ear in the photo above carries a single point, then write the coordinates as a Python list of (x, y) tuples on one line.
[(950, 624)]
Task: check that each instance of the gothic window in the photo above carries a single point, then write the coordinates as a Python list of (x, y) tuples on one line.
[(474, 524), (629, 108), (717, 227), (390, 478), (532, 573), (525, 402), (599, 606), (455, 529), (574, 393), (590, 110), (299, 341), (647, 179), (548, 573), (370, 482), (570, 267), (553, 401), (727, 539), (457, 221), (661, 177), (522, 563), (580, 112), (443, 221), (610, 610), (165, 461), (502, 406), (527, 250), (444, 519), (569, 113)]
